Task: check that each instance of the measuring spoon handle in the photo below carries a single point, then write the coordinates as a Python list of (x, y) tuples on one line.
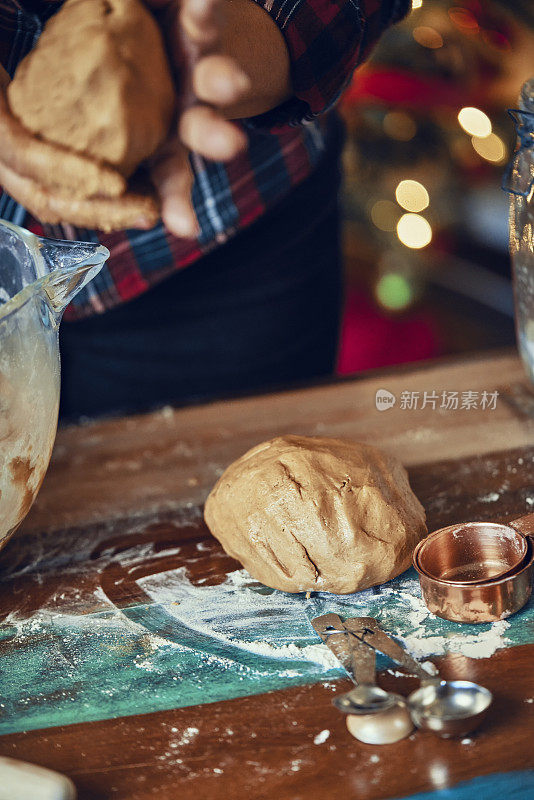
[(363, 663), (358, 660), (367, 630)]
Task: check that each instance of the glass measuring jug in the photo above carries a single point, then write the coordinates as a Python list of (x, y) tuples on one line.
[(38, 278)]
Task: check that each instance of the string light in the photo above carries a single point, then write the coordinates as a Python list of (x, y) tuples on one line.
[(491, 148), (412, 195), (385, 215), (394, 291), (428, 37), (414, 231), (399, 125), (474, 121), (416, 4)]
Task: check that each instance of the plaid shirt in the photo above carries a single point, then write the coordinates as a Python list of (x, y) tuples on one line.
[(326, 40)]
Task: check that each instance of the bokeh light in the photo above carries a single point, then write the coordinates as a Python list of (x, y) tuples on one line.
[(428, 37), (414, 231), (412, 195), (491, 148), (496, 39), (385, 215), (417, 4), (474, 121), (463, 19), (399, 125), (394, 291)]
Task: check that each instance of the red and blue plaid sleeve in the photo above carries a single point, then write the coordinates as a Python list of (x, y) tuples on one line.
[(326, 40), (21, 22)]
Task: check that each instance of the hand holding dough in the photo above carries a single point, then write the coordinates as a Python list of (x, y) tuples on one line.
[(304, 513), (91, 102)]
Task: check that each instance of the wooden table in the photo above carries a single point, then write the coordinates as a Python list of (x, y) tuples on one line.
[(85, 638)]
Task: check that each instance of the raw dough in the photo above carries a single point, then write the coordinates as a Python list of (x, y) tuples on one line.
[(304, 513), (98, 83)]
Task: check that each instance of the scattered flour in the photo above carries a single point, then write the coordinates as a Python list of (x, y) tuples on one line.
[(242, 615), (318, 653), (230, 623), (321, 737), (186, 738), (230, 612), (492, 497), (487, 642), (481, 644), (474, 645)]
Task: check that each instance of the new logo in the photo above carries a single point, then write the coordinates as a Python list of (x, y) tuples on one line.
[(384, 400)]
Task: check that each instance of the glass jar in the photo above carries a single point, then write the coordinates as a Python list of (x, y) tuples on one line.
[(519, 181)]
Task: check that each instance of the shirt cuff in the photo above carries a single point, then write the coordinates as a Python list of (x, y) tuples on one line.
[(326, 40)]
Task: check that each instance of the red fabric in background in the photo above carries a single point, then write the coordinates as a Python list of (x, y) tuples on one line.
[(401, 88), (369, 339)]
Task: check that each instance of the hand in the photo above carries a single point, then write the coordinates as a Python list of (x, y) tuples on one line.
[(229, 61), (193, 31), (32, 172)]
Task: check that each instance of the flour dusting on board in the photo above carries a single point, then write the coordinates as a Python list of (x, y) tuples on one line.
[(246, 615), (241, 613), (242, 624)]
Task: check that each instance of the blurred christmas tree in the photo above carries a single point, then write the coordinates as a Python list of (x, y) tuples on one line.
[(428, 140)]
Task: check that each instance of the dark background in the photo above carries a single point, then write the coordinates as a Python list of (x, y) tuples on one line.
[(454, 294)]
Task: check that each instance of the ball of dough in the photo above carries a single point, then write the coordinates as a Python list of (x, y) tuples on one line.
[(316, 514), (97, 82)]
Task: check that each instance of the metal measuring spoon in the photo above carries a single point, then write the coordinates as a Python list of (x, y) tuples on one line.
[(359, 661), (373, 715), (366, 697), (447, 708)]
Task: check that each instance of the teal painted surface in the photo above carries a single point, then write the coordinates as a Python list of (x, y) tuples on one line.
[(512, 785), (196, 645)]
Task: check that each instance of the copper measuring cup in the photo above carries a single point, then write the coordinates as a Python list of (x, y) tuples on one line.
[(496, 587), (473, 552)]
